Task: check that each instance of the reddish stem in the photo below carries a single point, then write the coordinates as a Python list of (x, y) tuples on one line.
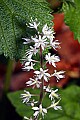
[(42, 85)]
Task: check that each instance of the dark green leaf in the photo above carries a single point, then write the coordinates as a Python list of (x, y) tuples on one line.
[(70, 103), (21, 108), (14, 14), (72, 18), (69, 2)]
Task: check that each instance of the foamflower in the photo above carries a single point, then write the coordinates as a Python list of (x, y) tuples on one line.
[(40, 41), (29, 60), (55, 105), (29, 67), (32, 51), (26, 96), (39, 110), (33, 23), (48, 32), (34, 82), (27, 40), (52, 59), (38, 52), (47, 88), (55, 44), (43, 73), (53, 94), (58, 74), (32, 103)]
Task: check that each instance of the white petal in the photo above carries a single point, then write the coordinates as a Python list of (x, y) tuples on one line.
[(56, 90), (45, 78), (36, 113), (44, 110), (37, 72), (59, 107), (26, 118), (38, 85), (55, 108), (47, 74), (41, 69), (53, 64), (29, 82), (27, 63), (35, 108)]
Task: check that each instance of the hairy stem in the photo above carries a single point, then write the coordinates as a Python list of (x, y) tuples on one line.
[(42, 80)]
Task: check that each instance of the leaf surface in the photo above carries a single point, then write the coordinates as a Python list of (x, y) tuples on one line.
[(14, 14), (72, 18)]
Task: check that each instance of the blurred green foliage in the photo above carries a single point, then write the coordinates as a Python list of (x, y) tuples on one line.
[(70, 103)]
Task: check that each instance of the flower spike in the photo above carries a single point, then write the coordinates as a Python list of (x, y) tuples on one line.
[(41, 42)]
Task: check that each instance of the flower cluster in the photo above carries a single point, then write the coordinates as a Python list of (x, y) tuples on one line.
[(40, 42)]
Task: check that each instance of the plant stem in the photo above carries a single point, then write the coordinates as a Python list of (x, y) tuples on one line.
[(41, 92), (8, 75)]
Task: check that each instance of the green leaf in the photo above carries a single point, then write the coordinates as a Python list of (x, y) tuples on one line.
[(14, 14), (69, 2), (21, 109), (70, 103), (72, 18)]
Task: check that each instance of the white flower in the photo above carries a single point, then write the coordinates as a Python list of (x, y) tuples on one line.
[(31, 51), (29, 67), (39, 110), (35, 82), (52, 59), (26, 118), (33, 23), (28, 60), (48, 32), (53, 94), (27, 40), (58, 74), (47, 88), (29, 63), (32, 103), (55, 44), (26, 96), (54, 105), (40, 41), (42, 73)]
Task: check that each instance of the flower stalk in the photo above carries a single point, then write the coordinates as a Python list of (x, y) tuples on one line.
[(42, 80), (41, 41)]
